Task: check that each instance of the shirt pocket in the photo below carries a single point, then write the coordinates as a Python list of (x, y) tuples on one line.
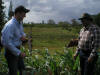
[(17, 34)]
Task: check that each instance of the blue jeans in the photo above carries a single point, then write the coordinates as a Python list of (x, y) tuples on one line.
[(87, 68), (14, 63)]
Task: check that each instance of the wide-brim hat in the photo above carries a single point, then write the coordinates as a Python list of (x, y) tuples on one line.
[(86, 16)]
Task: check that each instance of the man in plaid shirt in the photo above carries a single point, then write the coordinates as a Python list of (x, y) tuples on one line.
[(88, 44)]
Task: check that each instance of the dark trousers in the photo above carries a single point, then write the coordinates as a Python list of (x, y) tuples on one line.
[(14, 63), (87, 68)]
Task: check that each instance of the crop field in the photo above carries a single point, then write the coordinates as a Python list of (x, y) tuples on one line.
[(49, 55), (54, 38)]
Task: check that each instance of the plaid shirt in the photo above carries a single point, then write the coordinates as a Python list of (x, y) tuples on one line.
[(89, 39)]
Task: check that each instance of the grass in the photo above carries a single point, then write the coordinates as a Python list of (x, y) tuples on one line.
[(53, 38)]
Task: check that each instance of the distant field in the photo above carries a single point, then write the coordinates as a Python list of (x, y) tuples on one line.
[(53, 38)]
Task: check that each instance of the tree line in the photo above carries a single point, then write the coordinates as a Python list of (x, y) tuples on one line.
[(51, 22)]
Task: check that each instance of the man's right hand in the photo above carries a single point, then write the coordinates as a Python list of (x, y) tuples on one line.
[(22, 55), (75, 56), (73, 42)]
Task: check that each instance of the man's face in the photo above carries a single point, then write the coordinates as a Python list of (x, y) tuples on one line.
[(22, 15), (85, 22)]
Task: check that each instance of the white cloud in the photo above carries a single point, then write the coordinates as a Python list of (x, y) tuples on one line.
[(56, 9)]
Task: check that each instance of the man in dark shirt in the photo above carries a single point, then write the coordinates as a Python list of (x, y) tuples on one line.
[(88, 44)]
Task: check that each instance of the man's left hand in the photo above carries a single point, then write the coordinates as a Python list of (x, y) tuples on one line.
[(90, 59), (24, 39)]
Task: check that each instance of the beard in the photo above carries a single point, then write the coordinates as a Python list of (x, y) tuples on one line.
[(20, 19)]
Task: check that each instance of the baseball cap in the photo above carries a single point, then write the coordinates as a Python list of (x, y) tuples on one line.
[(21, 9)]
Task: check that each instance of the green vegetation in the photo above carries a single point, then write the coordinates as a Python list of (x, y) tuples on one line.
[(49, 46), (53, 38), (49, 55), (2, 15)]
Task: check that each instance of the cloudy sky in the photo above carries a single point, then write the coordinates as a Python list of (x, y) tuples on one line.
[(58, 10)]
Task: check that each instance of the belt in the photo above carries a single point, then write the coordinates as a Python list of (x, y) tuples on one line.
[(86, 51), (18, 47), (9, 52)]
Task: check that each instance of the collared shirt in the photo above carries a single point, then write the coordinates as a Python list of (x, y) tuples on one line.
[(89, 40), (11, 34)]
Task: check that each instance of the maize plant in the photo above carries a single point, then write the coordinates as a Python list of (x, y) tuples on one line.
[(43, 63)]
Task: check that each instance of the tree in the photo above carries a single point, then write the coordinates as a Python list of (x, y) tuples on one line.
[(2, 16), (64, 24), (10, 13), (43, 22), (74, 22), (51, 21), (97, 19)]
